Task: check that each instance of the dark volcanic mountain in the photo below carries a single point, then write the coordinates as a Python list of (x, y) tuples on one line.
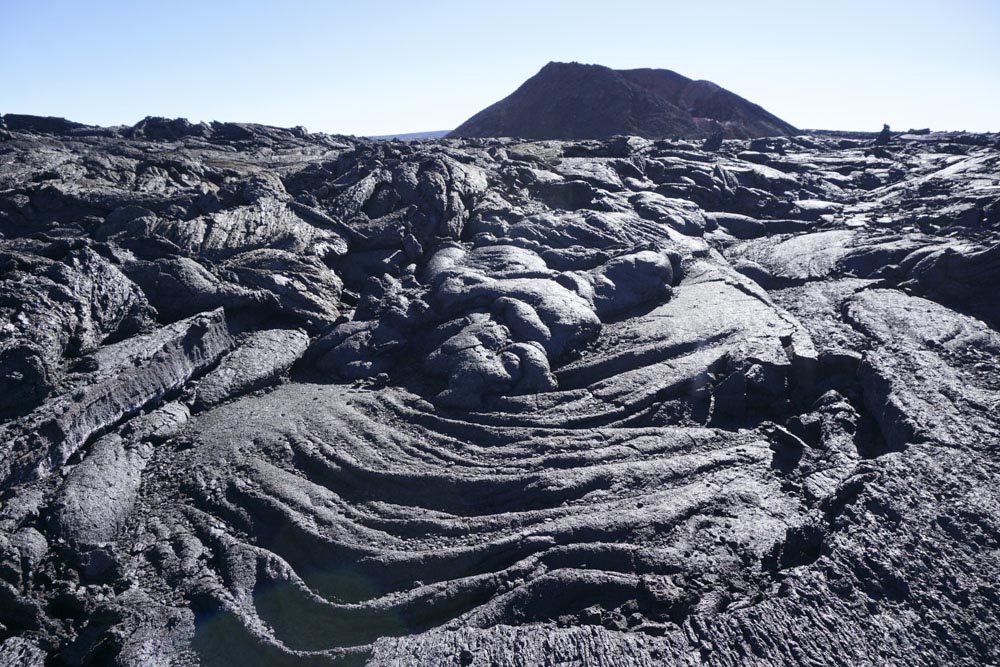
[(575, 101)]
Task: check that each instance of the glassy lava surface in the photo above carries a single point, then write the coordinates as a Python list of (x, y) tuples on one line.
[(279, 398)]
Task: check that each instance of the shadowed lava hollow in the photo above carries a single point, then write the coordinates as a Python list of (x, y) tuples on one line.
[(279, 398)]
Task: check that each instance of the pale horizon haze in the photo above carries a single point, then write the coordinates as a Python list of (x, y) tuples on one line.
[(376, 68)]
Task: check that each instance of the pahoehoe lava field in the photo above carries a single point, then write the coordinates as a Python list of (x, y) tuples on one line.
[(270, 397)]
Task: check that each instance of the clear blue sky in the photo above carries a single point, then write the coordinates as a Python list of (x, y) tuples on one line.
[(380, 67)]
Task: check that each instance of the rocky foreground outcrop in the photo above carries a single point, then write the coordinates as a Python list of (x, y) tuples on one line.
[(278, 398), (573, 101)]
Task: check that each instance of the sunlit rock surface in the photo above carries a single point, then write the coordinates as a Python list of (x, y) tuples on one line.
[(279, 398)]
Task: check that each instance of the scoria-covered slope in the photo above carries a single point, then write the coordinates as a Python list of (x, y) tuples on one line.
[(277, 398), (572, 101)]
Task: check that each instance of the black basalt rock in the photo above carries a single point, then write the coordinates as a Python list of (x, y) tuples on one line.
[(277, 398)]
